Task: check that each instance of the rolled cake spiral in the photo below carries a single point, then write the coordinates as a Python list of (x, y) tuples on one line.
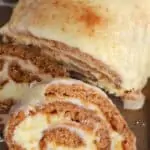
[(67, 114)]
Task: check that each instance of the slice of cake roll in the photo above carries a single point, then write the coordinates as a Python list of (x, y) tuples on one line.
[(106, 43), (21, 66), (67, 114)]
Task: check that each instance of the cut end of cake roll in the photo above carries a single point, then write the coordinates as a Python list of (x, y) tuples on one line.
[(94, 39), (67, 114)]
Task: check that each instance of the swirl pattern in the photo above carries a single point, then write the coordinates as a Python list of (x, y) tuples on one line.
[(70, 115)]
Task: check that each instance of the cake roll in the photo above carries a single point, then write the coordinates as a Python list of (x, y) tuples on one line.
[(67, 114), (103, 43), (21, 66)]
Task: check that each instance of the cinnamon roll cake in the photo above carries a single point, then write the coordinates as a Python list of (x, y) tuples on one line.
[(105, 43), (67, 114)]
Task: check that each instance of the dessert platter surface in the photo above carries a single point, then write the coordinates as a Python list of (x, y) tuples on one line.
[(139, 121)]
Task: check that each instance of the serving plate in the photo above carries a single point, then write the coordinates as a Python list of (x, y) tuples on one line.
[(139, 121)]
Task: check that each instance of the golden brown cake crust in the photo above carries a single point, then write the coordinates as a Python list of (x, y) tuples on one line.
[(61, 136)]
